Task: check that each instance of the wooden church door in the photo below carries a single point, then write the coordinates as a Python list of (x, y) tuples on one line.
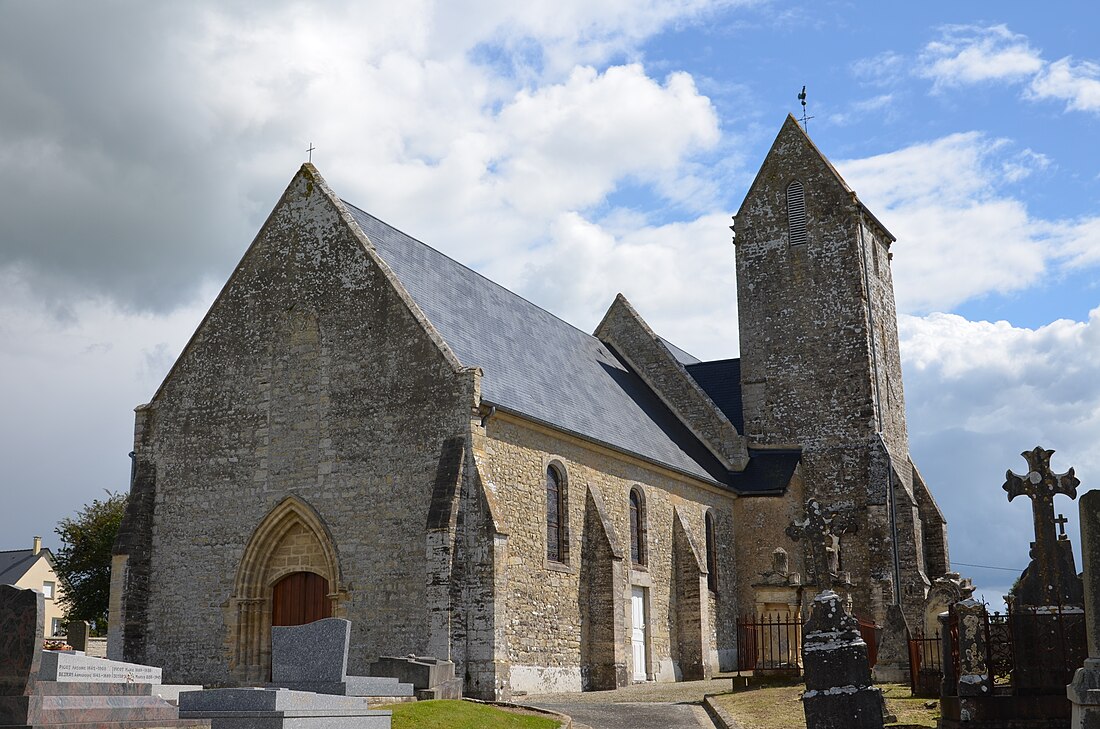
[(300, 598)]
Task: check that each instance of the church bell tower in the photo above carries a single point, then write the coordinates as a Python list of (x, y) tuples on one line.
[(820, 364)]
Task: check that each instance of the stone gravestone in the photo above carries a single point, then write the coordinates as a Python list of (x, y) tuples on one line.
[(839, 694), (1048, 600), (892, 665), (821, 530), (267, 708), (64, 689), (71, 667), (76, 634), (22, 619), (312, 653), (974, 678), (431, 678), (1084, 692), (314, 657), (1051, 577)]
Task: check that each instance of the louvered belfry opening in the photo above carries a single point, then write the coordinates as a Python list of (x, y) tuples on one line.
[(796, 213)]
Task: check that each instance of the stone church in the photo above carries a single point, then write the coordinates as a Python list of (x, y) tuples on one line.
[(362, 427)]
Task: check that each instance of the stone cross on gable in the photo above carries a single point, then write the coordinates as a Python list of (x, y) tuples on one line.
[(818, 529), (1040, 484)]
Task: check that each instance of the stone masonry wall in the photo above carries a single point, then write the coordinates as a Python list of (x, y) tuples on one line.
[(759, 529), (131, 553), (820, 363), (805, 352), (311, 375), (934, 528), (883, 325), (626, 333), (544, 621)]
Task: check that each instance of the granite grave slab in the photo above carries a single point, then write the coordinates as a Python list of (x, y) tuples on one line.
[(431, 678), (77, 633), (316, 652), (37, 690), (314, 657), (22, 621), (270, 708)]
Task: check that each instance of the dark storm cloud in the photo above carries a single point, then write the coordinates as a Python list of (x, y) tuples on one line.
[(115, 177)]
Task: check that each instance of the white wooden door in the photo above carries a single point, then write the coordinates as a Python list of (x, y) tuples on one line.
[(638, 631)]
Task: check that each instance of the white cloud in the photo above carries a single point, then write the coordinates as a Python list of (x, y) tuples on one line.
[(884, 69), (680, 278), (569, 143), (1023, 164), (979, 393), (1078, 84), (967, 54), (877, 105), (1077, 241), (943, 201), (413, 107)]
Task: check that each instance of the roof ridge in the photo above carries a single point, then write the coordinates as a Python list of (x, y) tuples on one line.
[(472, 270)]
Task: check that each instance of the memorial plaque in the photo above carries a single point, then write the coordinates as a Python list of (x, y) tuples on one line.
[(68, 667)]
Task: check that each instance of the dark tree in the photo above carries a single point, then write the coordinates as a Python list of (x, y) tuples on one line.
[(84, 559)]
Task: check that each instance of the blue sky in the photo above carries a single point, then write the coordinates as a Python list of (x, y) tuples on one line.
[(570, 151)]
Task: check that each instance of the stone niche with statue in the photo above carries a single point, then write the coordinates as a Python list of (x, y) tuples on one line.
[(778, 591)]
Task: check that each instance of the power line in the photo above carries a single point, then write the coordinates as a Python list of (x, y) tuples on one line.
[(986, 566)]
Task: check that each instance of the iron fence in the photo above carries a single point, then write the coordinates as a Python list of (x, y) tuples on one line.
[(1028, 651), (925, 665), (770, 643), (869, 631)]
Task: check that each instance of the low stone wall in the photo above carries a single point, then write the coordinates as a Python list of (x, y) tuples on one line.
[(96, 648)]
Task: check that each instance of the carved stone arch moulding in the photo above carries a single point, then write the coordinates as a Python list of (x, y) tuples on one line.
[(943, 594), (291, 538)]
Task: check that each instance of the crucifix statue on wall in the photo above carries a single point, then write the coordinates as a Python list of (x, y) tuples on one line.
[(821, 529)]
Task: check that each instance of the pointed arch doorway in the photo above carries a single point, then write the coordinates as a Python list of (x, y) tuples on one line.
[(300, 598), (289, 575)]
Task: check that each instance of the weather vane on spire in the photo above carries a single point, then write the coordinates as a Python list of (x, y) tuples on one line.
[(805, 119)]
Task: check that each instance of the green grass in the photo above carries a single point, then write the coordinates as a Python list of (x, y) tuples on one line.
[(446, 714), (910, 711)]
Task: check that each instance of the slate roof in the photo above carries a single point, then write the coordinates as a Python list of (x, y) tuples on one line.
[(721, 379), (537, 365), (681, 356), (14, 564), (769, 471)]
